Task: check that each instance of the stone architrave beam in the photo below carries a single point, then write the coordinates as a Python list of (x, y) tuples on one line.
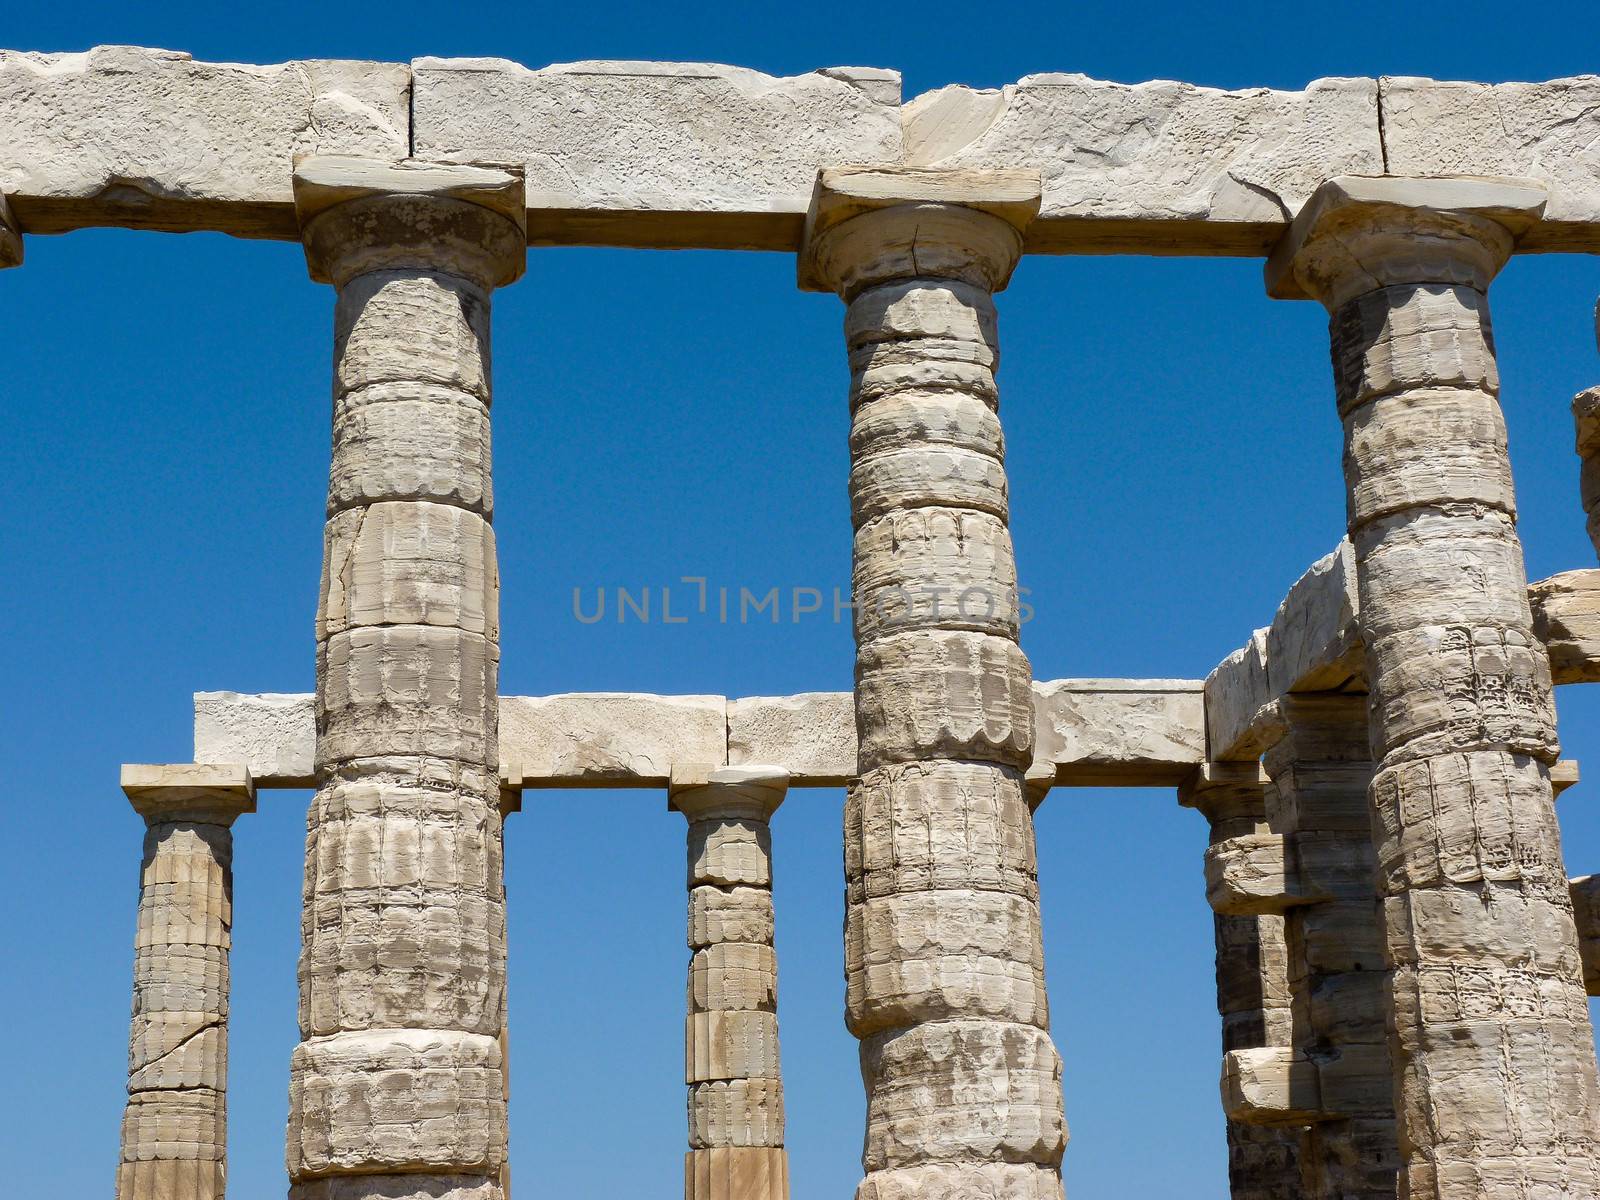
[(710, 156), (1313, 645), (1093, 732), (151, 139)]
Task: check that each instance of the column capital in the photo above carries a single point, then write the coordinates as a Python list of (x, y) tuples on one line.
[(359, 215), (1359, 233), (201, 793), (872, 225), (10, 236), (704, 793), (1224, 790)]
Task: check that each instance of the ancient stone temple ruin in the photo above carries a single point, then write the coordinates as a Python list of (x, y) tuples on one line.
[(1402, 960)]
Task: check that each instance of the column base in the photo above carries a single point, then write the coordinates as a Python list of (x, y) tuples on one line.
[(736, 1173)]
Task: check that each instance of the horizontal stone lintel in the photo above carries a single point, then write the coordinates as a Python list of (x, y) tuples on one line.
[(1094, 732), (718, 157), (1313, 645)]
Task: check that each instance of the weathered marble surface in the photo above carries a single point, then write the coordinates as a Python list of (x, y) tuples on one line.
[(151, 139), (1160, 167), (662, 154), (1548, 132), (1112, 732), (707, 155), (1314, 645)]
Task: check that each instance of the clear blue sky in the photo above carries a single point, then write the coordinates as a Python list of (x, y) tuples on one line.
[(1174, 459)]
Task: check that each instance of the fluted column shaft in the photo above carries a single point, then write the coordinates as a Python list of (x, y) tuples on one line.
[(1492, 1048), (1321, 771), (943, 958), (174, 1128), (731, 1034), (1252, 972), (396, 1088)]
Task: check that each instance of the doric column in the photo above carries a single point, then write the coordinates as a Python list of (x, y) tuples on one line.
[(1321, 771), (731, 1035), (174, 1129), (1586, 416), (943, 958), (396, 1088), (1252, 969), (1492, 1048), (10, 237)]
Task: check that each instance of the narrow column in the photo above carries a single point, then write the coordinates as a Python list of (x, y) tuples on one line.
[(943, 957), (731, 1035), (1339, 985), (396, 1088), (174, 1129), (10, 236), (1586, 416), (1493, 1051), (1252, 969)]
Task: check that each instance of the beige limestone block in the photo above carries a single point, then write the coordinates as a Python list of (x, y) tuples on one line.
[(1133, 731), (1251, 875), (927, 956), (730, 852), (446, 320), (151, 139), (736, 1112), (175, 1124), (407, 690), (935, 568), (161, 1179), (729, 976), (273, 734), (736, 1173), (416, 441), (610, 738), (908, 394), (1566, 618), (963, 1181), (1438, 337), (396, 1099), (731, 1045), (962, 1091), (1586, 914), (181, 978), (1195, 170), (172, 1050), (1270, 1085), (943, 695), (658, 154), (1541, 131), (1465, 819), (409, 564), (812, 734), (925, 476), (935, 825), (1428, 447), (741, 914)]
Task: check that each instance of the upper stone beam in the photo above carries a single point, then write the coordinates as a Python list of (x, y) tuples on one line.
[(151, 139), (1545, 132), (658, 154)]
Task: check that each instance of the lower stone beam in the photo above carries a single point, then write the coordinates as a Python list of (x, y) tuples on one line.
[(1090, 733)]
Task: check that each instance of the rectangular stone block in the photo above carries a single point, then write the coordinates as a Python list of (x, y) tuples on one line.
[(1159, 167), (1123, 732), (731, 1045), (1549, 132), (658, 154), (1566, 618), (151, 139), (274, 734), (736, 1173), (610, 739), (813, 734)]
